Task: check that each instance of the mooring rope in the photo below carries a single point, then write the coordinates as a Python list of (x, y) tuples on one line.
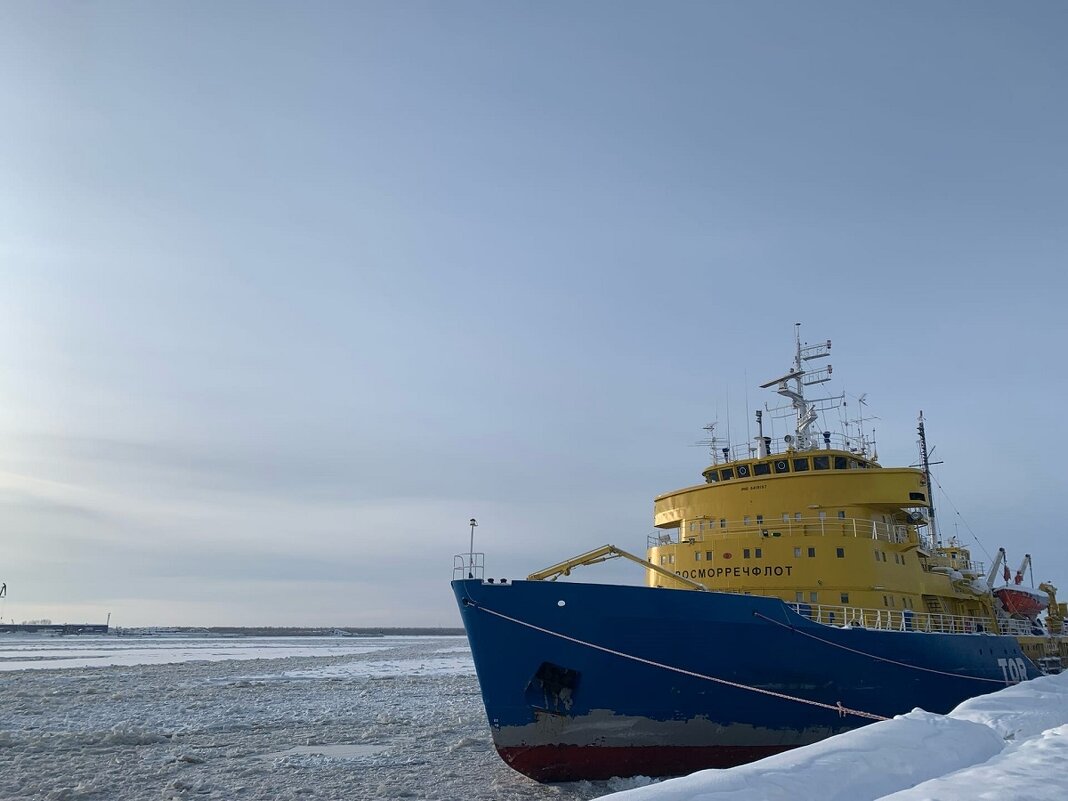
[(839, 708), (873, 656)]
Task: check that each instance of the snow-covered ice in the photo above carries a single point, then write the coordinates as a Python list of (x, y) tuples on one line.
[(95, 718), (1012, 744), (107, 718)]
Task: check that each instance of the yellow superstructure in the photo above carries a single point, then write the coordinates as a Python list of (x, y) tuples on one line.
[(820, 527)]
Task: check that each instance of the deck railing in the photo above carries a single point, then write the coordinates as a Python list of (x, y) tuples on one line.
[(468, 565), (900, 620), (854, 527)]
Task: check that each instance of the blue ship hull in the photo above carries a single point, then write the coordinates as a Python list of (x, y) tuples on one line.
[(589, 681)]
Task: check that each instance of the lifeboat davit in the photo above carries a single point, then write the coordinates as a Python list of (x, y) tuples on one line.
[(1022, 600)]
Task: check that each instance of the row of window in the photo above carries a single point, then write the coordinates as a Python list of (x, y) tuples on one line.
[(880, 556), (751, 553), (814, 597), (843, 598), (800, 464)]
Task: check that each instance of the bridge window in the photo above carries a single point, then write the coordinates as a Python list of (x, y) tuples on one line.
[(800, 465), (743, 470), (917, 496), (727, 474), (782, 466), (799, 597), (761, 469), (841, 514), (821, 462), (841, 463), (845, 597), (814, 597)]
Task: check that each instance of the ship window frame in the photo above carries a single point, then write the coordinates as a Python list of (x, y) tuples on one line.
[(800, 465), (697, 556), (844, 597), (762, 469), (760, 520), (821, 462), (814, 597), (723, 522), (841, 462), (708, 556), (841, 514), (727, 473), (758, 553), (811, 553), (797, 552), (839, 553), (745, 553), (782, 466), (743, 471)]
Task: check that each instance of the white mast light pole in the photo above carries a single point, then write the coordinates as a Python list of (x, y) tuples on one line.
[(471, 552)]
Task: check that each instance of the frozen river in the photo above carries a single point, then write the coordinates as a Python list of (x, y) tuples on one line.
[(250, 717)]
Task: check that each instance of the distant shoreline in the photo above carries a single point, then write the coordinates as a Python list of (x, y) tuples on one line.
[(293, 631)]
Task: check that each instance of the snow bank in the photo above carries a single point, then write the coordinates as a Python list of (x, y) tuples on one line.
[(1021, 711), (864, 764), (1009, 744), (1032, 769)]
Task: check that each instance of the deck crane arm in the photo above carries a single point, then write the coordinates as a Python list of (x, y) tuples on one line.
[(993, 574), (603, 554), (1026, 563)]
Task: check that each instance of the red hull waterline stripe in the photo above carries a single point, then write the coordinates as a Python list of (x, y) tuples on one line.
[(567, 763)]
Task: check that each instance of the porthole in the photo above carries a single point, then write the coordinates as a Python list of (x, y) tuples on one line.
[(561, 603), (743, 470)]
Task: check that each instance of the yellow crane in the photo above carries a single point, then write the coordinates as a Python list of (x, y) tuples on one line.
[(603, 554)]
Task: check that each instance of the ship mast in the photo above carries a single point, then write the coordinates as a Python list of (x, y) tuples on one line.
[(806, 412), (925, 463)]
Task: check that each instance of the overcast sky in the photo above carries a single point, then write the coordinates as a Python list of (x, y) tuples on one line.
[(289, 291)]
